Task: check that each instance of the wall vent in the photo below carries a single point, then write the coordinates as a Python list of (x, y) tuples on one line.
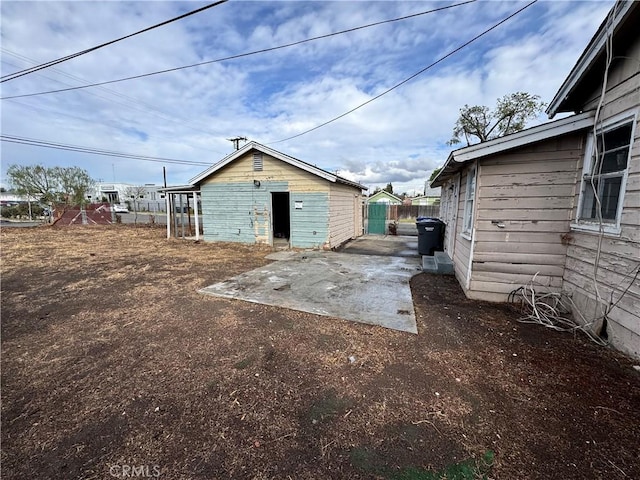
[(257, 162)]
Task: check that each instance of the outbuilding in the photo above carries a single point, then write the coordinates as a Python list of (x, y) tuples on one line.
[(260, 195)]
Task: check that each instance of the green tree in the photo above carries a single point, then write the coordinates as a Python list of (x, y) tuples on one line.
[(509, 116), (434, 174), (388, 188), (66, 185)]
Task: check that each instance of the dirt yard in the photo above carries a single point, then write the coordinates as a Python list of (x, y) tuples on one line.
[(112, 365)]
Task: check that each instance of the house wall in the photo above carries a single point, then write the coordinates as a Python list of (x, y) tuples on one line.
[(619, 256), (449, 212), (345, 214), (425, 201), (234, 210), (524, 205), (462, 249)]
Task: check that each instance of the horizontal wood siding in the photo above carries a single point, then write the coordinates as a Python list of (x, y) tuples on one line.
[(462, 249), (524, 205), (274, 170), (310, 224), (345, 214), (238, 212), (619, 256)]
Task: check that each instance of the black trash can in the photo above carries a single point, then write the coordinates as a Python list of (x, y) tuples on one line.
[(430, 235)]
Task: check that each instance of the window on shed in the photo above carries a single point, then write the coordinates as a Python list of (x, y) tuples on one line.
[(604, 174), (257, 162), (469, 196)]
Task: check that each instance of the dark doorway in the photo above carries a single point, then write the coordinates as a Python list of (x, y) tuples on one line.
[(281, 215)]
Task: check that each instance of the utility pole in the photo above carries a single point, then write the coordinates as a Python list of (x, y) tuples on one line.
[(236, 141)]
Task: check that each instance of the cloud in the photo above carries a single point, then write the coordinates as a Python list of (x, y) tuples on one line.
[(189, 114)]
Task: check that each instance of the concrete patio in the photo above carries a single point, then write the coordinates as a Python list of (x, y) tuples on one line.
[(367, 282)]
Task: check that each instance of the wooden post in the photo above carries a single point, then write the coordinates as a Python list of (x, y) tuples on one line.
[(175, 215), (188, 213), (168, 204), (181, 217), (195, 211)]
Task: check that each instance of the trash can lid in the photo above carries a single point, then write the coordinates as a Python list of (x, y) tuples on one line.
[(427, 220)]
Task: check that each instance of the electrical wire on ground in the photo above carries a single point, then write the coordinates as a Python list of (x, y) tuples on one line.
[(406, 80), (27, 71), (240, 55), (552, 310)]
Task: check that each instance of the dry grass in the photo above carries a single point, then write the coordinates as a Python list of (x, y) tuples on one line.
[(110, 357)]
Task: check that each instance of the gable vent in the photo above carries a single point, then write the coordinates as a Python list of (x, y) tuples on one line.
[(257, 162)]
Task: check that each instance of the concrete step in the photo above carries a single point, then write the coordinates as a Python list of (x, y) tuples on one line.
[(444, 263), (439, 263), (429, 264)]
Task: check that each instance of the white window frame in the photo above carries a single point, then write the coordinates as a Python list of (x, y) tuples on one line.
[(469, 202), (591, 225)]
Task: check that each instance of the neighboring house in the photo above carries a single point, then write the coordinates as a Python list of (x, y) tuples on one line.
[(10, 198), (150, 198), (525, 204), (431, 197), (260, 195), (384, 197)]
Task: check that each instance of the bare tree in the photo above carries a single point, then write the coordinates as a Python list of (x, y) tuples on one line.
[(509, 116), (135, 193)]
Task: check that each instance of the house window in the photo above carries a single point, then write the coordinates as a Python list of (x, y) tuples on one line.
[(604, 174), (469, 196), (257, 162)]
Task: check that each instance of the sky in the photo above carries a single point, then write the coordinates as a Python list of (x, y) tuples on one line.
[(189, 114)]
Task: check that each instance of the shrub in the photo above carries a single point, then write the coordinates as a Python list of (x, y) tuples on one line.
[(8, 212)]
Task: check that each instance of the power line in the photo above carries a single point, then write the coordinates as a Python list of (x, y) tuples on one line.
[(144, 106), (240, 55), (93, 151), (111, 125), (27, 71), (409, 78)]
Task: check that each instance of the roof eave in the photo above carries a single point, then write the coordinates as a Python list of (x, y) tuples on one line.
[(509, 142), (586, 61)]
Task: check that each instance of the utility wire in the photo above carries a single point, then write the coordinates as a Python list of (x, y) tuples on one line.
[(27, 71), (93, 151), (112, 125), (241, 55), (144, 106), (409, 78)]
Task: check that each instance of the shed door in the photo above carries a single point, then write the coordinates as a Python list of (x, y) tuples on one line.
[(281, 215), (377, 218)]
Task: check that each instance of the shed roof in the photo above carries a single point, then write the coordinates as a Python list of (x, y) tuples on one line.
[(384, 193), (586, 76), (458, 158), (307, 167)]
